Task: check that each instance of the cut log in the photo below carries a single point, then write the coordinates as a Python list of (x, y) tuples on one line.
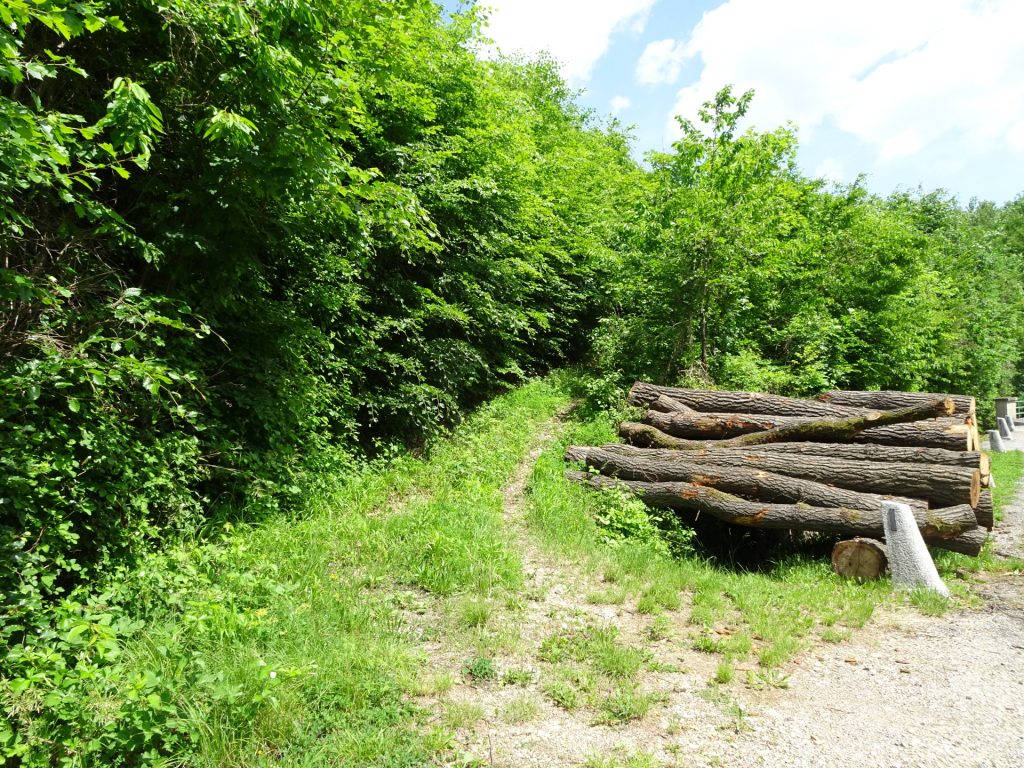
[(646, 436), (984, 511), (860, 452), (870, 452), (692, 425), (747, 483), (711, 400), (860, 559), (968, 543), (821, 430), (927, 434), (666, 404), (935, 524), (888, 399), (940, 486)]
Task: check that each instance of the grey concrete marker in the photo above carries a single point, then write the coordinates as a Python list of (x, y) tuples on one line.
[(995, 442), (909, 560), (1004, 430)]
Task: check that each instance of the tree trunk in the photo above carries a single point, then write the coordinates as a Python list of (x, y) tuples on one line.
[(967, 543), (710, 400), (739, 481), (760, 431), (870, 452), (646, 436), (860, 559), (965, 405), (692, 425), (666, 404), (937, 524), (984, 511), (940, 486)]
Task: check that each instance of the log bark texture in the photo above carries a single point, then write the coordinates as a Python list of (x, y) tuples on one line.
[(883, 427), (861, 559), (750, 483), (968, 543), (940, 486), (666, 404), (870, 452), (887, 399), (984, 511), (935, 524), (710, 400)]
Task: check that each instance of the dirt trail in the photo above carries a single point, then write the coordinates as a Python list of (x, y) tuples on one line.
[(907, 690)]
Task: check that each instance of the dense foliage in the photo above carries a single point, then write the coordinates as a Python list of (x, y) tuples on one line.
[(246, 243)]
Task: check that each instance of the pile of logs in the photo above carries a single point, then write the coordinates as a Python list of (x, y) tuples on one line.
[(823, 465)]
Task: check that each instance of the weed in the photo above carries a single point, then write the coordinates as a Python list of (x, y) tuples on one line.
[(562, 694), (521, 709), (460, 715), (608, 596), (480, 668), (626, 704), (660, 629), (474, 612), (517, 676), (767, 678), (724, 673)]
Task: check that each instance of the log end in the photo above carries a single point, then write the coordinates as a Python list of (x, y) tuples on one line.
[(860, 559)]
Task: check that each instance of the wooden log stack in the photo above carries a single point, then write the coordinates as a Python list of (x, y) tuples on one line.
[(824, 465)]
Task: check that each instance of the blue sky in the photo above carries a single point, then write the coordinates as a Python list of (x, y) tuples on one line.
[(908, 92)]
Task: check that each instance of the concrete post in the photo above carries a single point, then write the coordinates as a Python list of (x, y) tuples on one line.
[(909, 560), (1004, 429), (995, 442)]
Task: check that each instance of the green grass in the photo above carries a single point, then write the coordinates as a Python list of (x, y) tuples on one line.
[(1007, 468), (284, 644)]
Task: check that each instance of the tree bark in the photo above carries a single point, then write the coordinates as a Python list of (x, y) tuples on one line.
[(760, 429), (935, 524), (666, 404), (870, 452), (692, 425), (710, 400), (646, 436), (968, 543), (940, 486), (739, 481), (887, 399), (860, 559), (984, 510)]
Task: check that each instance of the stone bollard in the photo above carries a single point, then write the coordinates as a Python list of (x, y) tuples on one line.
[(909, 560), (1004, 429), (995, 442)]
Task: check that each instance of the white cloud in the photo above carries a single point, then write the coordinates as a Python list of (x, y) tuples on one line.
[(899, 76), (620, 103), (576, 32), (660, 62), (830, 169)]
